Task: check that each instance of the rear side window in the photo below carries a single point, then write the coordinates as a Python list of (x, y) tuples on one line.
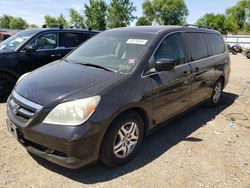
[(215, 43), (172, 48), (72, 40), (197, 45)]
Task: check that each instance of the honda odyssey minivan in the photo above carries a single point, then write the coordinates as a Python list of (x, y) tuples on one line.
[(100, 101)]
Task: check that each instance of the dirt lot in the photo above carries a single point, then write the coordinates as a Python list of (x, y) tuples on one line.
[(205, 148)]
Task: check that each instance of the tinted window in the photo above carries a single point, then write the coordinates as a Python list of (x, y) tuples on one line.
[(197, 44), (71, 40), (46, 41), (171, 48), (215, 44), (5, 36)]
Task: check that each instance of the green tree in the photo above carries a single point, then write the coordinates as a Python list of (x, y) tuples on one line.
[(218, 22), (143, 21), (62, 21), (33, 26), (165, 12), (5, 21), (51, 21), (76, 19), (120, 13), (95, 14), (18, 23), (240, 13)]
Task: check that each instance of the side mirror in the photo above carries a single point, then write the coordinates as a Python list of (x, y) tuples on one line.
[(164, 64), (29, 48)]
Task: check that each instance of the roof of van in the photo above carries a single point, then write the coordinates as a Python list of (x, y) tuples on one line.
[(160, 29), (63, 29)]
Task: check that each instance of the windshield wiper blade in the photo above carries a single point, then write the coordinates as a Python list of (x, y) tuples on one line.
[(99, 66), (64, 59)]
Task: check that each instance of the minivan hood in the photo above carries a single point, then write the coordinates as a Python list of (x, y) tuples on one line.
[(62, 81)]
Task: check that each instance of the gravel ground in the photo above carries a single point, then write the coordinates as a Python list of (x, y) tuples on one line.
[(204, 148)]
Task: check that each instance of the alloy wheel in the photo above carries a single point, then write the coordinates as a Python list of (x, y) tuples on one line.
[(217, 92), (126, 140)]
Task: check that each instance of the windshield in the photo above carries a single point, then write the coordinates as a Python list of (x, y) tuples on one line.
[(116, 50), (17, 40)]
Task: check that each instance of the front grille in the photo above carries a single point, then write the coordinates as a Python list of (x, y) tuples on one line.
[(23, 109)]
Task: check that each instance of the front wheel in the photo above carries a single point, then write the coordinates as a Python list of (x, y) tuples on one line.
[(7, 83), (216, 94), (122, 140)]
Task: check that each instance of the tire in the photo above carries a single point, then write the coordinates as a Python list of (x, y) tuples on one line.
[(115, 152), (7, 83), (234, 52), (216, 94)]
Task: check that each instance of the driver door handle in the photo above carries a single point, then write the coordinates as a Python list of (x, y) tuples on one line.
[(56, 55)]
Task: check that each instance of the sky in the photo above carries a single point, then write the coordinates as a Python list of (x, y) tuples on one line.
[(34, 11)]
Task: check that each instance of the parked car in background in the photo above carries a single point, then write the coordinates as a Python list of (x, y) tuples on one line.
[(30, 49), (101, 100), (4, 35)]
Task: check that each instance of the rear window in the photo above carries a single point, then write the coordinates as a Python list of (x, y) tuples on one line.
[(215, 43), (197, 44), (72, 40)]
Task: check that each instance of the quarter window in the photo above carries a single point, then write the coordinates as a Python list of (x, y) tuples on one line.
[(46, 41), (171, 48), (72, 40), (197, 44), (216, 44)]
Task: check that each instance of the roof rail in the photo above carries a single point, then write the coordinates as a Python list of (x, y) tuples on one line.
[(197, 26)]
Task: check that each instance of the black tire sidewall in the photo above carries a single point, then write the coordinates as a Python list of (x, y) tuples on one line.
[(107, 154), (12, 80), (212, 103)]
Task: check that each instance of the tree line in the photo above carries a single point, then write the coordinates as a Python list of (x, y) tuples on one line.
[(99, 15), (235, 20)]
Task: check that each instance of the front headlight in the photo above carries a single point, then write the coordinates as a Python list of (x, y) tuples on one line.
[(74, 112)]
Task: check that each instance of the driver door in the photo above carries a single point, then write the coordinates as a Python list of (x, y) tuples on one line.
[(44, 50), (171, 89)]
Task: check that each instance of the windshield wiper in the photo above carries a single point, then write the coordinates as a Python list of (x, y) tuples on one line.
[(99, 66), (64, 59)]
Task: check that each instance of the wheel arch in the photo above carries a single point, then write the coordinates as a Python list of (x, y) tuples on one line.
[(15, 75), (136, 109), (140, 111), (222, 77)]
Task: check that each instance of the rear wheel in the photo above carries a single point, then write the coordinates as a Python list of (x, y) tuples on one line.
[(122, 140), (7, 83), (216, 95)]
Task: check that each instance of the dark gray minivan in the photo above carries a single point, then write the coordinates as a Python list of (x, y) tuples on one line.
[(100, 101)]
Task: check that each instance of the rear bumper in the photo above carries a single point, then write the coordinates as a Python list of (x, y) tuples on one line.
[(71, 147)]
